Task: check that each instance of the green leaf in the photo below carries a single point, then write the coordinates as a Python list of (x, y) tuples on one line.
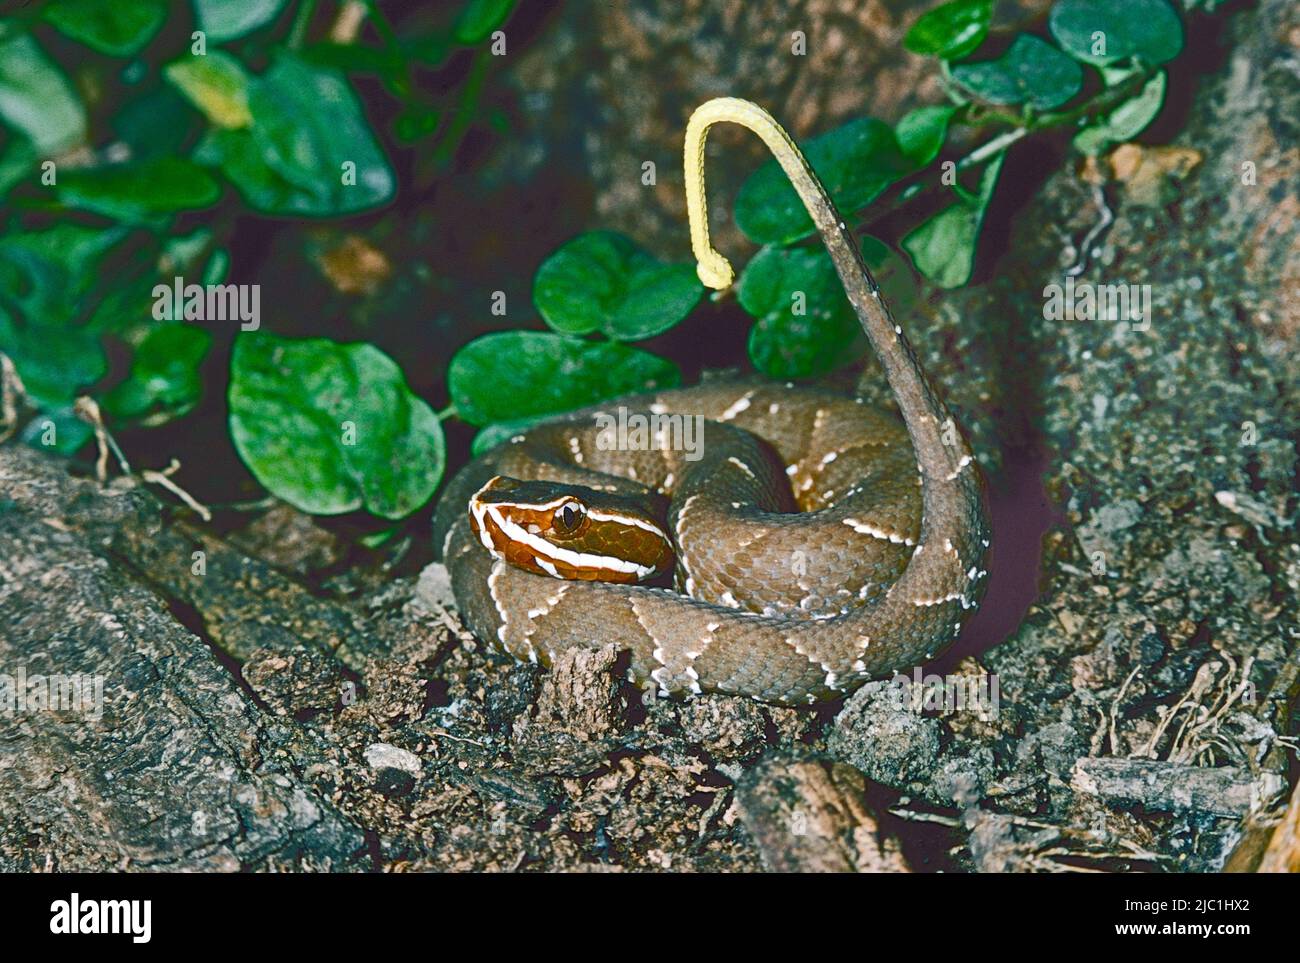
[(943, 248), (17, 158), (921, 133), (36, 99), (952, 30), (602, 281), (511, 375), (307, 124), (1032, 71), (164, 373), (216, 84), (500, 432), (69, 431), (478, 18), (54, 362), (1102, 32), (45, 274), (856, 162), (295, 406), (139, 193), (805, 325), (119, 28), (224, 20), (158, 123), (1126, 121)]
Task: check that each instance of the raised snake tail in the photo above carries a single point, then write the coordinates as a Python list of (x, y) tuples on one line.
[(853, 630)]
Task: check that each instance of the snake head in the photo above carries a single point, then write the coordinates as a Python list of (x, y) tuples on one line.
[(570, 531)]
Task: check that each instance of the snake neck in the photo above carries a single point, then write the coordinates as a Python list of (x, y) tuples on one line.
[(952, 499)]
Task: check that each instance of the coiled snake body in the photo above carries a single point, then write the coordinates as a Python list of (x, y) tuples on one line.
[(819, 541)]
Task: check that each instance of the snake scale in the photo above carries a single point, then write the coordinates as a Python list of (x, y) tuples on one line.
[(818, 541)]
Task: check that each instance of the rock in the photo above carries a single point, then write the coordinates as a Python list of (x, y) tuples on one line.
[(381, 755), (880, 735), (812, 817)]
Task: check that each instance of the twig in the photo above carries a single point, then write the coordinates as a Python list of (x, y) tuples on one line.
[(1114, 708), (87, 409), (12, 392), (1085, 247), (163, 478)]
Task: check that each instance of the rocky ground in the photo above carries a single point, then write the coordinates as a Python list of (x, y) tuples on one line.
[(268, 706)]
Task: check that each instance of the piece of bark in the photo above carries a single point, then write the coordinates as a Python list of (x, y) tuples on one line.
[(1172, 787), (166, 771), (1269, 846), (811, 816), (1283, 853)]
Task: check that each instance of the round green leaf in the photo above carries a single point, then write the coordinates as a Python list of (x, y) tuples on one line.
[(601, 281), (164, 373), (1105, 31), (68, 431), (216, 84), (511, 375), (1032, 71), (952, 30), (224, 20), (136, 193), (943, 248), (36, 98), (309, 151), (856, 162), (921, 133), (119, 28), (46, 273), (478, 18), (332, 427), (1126, 121), (55, 361), (804, 324), (786, 344), (500, 432)]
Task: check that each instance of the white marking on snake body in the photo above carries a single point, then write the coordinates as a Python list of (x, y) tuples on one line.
[(548, 567), (497, 568), (830, 457), (950, 597), (774, 407), (742, 466), (575, 446), (965, 460), (729, 600), (866, 528), (658, 408), (740, 405)]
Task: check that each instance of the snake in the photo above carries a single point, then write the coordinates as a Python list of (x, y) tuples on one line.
[(780, 541)]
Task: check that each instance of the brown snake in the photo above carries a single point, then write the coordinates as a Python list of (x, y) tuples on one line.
[(815, 546)]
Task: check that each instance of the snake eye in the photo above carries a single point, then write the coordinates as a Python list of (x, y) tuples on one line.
[(568, 517)]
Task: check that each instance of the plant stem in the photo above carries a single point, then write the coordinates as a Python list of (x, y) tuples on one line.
[(301, 20), (465, 110)]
